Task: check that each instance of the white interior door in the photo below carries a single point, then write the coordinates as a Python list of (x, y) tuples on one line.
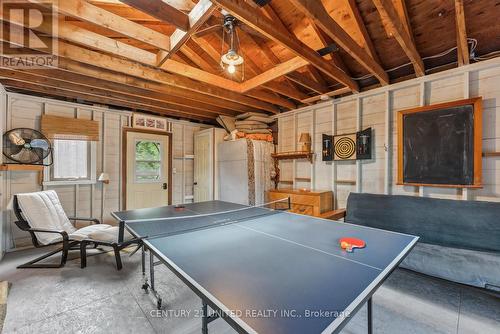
[(148, 170), (203, 166)]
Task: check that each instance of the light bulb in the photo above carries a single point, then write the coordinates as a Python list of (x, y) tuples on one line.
[(231, 69)]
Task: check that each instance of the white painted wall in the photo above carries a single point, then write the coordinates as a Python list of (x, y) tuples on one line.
[(84, 200), (378, 109)]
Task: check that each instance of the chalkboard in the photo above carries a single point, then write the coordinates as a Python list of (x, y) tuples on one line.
[(439, 146)]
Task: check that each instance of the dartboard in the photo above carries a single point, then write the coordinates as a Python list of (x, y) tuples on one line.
[(345, 148)]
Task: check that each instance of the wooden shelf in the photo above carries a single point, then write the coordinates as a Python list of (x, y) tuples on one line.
[(23, 168), (303, 179), (293, 155), (491, 154), (19, 167), (351, 182), (286, 181)]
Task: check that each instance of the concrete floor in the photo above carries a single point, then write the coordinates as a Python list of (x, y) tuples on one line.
[(100, 299)]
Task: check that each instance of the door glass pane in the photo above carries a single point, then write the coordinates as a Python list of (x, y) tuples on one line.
[(148, 164)]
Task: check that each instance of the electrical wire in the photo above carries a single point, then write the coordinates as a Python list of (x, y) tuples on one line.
[(471, 41)]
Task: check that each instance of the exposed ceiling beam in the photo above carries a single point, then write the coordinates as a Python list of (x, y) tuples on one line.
[(175, 94), (57, 87), (268, 54), (254, 69), (272, 97), (162, 11), (315, 11), (266, 27), (285, 90), (301, 79), (84, 10), (333, 93), (462, 45), (327, 40), (167, 100), (197, 17), (368, 44), (274, 73), (389, 14), (136, 69)]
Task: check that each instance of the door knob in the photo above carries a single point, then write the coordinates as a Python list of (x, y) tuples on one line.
[(165, 186)]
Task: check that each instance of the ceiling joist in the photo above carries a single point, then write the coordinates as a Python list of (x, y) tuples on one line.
[(197, 17), (83, 10), (162, 11), (247, 14), (462, 45), (315, 11), (389, 14)]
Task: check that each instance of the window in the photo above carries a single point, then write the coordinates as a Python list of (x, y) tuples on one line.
[(148, 161), (74, 162)]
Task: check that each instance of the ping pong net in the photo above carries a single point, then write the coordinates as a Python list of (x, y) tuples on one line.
[(162, 227)]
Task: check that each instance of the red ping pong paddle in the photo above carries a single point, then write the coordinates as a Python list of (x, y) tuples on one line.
[(349, 244)]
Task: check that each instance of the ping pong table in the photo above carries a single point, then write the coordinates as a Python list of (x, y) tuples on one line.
[(264, 270)]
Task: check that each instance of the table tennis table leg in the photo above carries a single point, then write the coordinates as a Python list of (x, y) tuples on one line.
[(143, 262), (204, 322), (369, 305), (206, 318)]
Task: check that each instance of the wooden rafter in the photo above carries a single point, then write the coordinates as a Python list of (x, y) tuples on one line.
[(263, 25), (317, 12), (254, 69), (197, 17), (333, 93), (368, 44), (306, 82), (274, 73), (327, 40), (173, 93), (84, 10), (390, 15), (98, 59), (268, 54), (462, 46), (57, 78), (53, 86), (162, 11)]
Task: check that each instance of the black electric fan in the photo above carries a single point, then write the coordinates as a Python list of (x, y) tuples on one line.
[(26, 146)]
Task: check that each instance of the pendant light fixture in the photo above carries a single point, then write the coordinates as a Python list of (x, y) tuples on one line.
[(231, 59)]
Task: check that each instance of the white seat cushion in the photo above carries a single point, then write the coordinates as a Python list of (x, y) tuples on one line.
[(43, 210), (99, 232)]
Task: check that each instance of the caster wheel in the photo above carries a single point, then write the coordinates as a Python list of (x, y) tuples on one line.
[(145, 287), (158, 304)]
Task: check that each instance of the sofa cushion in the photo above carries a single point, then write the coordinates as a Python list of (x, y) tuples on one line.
[(472, 225)]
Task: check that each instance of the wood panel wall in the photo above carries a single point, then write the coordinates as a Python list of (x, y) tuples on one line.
[(84, 200), (377, 109)]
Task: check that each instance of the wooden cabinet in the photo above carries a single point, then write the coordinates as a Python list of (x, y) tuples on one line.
[(312, 203)]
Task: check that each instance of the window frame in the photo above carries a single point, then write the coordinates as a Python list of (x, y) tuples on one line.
[(48, 171)]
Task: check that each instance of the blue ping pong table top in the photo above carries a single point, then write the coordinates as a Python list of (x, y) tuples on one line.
[(286, 264)]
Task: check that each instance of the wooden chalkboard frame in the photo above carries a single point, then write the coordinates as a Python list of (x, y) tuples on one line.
[(478, 136)]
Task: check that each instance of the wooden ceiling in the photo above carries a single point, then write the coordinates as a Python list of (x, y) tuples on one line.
[(163, 56)]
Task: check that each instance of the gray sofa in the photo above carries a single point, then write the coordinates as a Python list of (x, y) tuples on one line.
[(459, 240)]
